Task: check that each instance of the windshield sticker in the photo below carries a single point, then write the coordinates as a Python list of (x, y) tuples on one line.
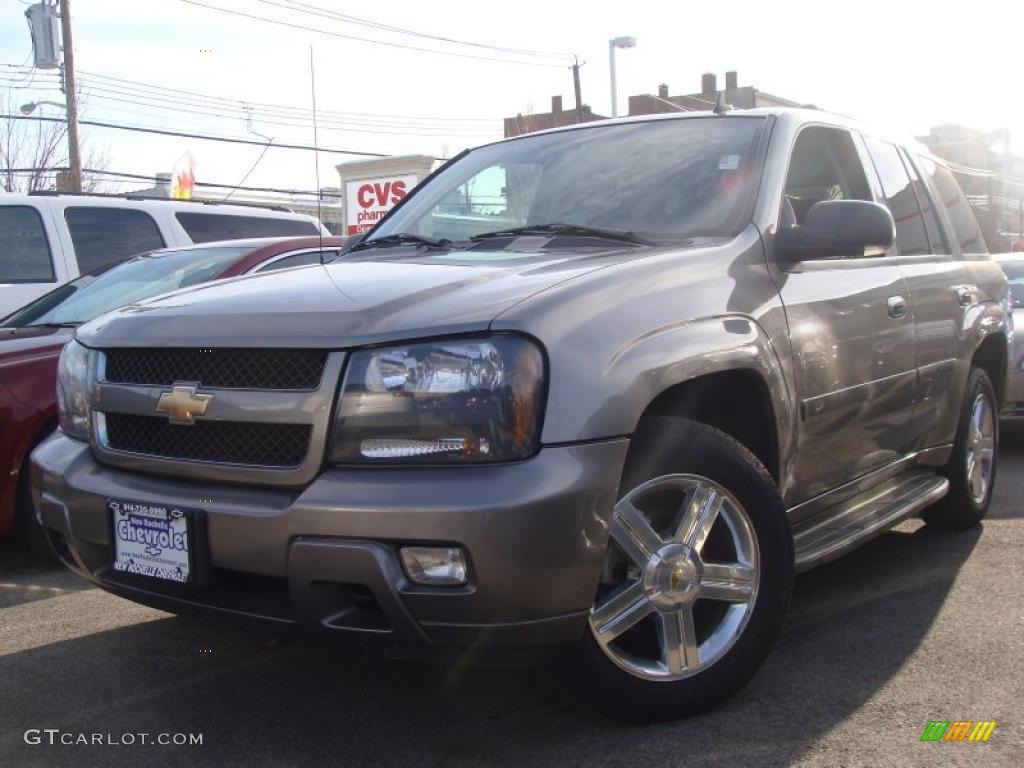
[(728, 162)]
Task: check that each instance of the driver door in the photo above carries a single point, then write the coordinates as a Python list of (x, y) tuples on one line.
[(851, 330)]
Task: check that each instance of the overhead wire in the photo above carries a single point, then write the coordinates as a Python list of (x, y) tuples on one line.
[(389, 44)]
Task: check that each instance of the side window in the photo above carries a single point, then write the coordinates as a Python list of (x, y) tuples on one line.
[(824, 166), (952, 198), (24, 250), (104, 236), (298, 260), (207, 227), (936, 236), (899, 197)]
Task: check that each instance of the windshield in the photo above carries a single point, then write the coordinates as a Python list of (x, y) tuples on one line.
[(141, 278), (662, 180)]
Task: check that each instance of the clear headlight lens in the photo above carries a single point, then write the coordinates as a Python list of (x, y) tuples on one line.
[(75, 373), (448, 401)]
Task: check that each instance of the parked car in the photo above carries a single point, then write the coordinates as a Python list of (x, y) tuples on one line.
[(1013, 267), (641, 374), (47, 239), (31, 339)]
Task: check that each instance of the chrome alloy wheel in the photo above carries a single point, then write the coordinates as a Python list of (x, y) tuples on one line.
[(687, 593), (981, 448)]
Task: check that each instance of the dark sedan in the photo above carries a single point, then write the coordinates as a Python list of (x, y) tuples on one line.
[(32, 337)]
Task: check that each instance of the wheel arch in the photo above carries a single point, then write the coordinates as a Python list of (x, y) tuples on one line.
[(992, 356), (736, 401)]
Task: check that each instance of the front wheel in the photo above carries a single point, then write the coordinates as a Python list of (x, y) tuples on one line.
[(696, 579)]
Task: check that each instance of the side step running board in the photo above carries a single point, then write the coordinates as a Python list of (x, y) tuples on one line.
[(836, 531)]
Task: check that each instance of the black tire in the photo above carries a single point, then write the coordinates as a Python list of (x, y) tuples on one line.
[(959, 509), (666, 445)]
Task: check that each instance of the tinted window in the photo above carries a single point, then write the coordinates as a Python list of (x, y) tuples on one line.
[(965, 226), (299, 260), (111, 287), (936, 236), (900, 197), (206, 227), (661, 179), (24, 252), (824, 166), (103, 236)]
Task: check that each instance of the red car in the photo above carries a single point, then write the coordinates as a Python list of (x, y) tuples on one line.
[(31, 339)]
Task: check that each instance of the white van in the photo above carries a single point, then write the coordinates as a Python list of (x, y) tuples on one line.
[(49, 238)]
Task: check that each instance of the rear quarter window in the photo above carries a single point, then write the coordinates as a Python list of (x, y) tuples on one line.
[(207, 227), (103, 236), (952, 198), (24, 250)]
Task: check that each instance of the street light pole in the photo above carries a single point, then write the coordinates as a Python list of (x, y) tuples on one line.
[(70, 93), (617, 42)]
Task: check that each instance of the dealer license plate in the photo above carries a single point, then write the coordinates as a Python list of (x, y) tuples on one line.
[(152, 540)]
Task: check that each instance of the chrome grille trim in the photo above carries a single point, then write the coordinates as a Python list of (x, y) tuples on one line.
[(313, 408)]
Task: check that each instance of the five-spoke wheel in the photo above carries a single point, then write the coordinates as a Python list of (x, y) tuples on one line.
[(662, 531)]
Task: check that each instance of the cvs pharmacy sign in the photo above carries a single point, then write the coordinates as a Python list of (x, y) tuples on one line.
[(367, 200)]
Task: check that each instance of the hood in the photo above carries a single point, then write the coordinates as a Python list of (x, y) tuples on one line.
[(19, 345), (399, 294)]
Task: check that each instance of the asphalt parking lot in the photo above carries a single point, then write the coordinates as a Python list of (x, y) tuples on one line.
[(916, 626)]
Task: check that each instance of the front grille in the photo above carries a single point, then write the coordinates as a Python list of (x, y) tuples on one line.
[(292, 369), (226, 442)]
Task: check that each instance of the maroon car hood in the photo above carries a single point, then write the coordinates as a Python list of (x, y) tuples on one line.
[(25, 344)]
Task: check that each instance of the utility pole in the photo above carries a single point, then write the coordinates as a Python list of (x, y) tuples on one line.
[(70, 92), (576, 88)]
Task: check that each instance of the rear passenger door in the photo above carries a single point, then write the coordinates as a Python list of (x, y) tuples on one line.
[(938, 283), (851, 331)]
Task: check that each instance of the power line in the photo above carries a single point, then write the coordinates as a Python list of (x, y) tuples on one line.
[(294, 5), (156, 179), (295, 121), (369, 40), (163, 132), (225, 101)]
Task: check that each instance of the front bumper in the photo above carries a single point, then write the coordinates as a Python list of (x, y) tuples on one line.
[(325, 557)]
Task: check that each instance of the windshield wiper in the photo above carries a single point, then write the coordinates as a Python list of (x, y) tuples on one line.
[(72, 324), (401, 238), (558, 228)]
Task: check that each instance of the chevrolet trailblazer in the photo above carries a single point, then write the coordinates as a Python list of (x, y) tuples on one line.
[(605, 387)]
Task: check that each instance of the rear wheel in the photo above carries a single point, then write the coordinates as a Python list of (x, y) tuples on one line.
[(696, 579), (972, 465)]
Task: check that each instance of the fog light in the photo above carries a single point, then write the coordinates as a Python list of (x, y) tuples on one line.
[(435, 565)]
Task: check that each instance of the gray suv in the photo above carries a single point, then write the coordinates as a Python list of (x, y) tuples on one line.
[(606, 388)]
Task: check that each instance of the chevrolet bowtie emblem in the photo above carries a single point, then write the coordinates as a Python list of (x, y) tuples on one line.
[(182, 404)]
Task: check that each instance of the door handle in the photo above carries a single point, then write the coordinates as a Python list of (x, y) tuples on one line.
[(897, 307), (965, 295)]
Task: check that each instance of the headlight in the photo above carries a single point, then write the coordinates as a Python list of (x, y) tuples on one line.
[(74, 377), (449, 401)]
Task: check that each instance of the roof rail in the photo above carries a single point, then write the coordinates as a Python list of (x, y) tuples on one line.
[(135, 196)]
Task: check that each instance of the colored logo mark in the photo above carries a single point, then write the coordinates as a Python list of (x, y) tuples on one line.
[(958, 730)]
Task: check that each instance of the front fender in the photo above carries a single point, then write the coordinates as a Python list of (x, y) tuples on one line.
[(643, 367)]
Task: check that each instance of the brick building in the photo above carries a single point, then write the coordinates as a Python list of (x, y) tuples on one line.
[(745, 97)]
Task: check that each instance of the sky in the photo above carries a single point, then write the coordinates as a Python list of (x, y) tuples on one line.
[(907, 65)]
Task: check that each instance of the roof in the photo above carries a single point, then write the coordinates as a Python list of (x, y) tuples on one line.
[(144, 203), (796, 114)]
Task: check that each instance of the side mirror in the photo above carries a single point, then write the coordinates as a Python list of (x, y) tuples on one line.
[(838, 229)]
